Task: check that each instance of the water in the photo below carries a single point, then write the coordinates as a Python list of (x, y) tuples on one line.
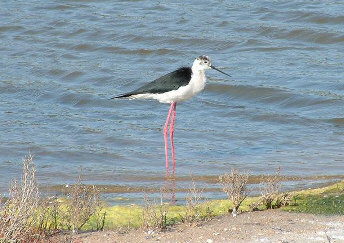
[(62, 61)]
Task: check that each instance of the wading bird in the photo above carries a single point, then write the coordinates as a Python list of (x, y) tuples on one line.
[(174, 87)]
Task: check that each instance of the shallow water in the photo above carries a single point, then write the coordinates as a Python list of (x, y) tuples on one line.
[(62, 61)]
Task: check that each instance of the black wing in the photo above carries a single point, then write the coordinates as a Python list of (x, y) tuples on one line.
[(171, 81)]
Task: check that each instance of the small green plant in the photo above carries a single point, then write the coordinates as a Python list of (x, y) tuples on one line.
[(47, 215), (235, 186), (99, 218)]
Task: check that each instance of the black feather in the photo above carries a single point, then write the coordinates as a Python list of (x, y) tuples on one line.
[(171, 81)]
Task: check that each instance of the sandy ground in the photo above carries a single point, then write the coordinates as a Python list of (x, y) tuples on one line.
[(265, 226)]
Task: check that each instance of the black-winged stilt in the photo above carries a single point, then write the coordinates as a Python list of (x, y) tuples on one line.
[(174, 87)]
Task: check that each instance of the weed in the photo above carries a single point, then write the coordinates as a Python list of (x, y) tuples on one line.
[(17, 214), (270, 189), (283, 200), (47, 215), (254, 206), (235, 186), (83, 202), (193, 210), (154, 216)]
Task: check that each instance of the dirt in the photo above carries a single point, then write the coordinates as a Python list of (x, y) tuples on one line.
[(263, 226)]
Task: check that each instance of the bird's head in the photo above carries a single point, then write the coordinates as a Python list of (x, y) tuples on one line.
[(202, 63)]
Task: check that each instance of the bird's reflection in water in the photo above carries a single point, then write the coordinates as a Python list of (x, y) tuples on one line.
[(169, 190)]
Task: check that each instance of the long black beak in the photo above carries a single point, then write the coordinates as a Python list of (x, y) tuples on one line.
[(220, 71)]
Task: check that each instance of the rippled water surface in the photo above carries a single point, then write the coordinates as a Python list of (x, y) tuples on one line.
[(61, 61)]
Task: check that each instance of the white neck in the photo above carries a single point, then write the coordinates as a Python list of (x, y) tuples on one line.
[(198, 79)]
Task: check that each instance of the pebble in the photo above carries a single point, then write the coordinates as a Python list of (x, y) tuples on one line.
[(209, 241), (150, 232)]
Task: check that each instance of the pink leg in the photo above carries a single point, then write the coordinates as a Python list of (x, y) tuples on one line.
[(171, 130), (165, 136)]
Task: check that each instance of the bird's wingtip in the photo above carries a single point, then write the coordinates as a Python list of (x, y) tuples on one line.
[(120, 96), (115, 97)]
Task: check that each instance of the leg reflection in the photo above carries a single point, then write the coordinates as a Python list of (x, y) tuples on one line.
[(169, 191)]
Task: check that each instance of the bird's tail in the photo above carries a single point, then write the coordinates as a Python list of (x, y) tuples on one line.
[(122, 96)]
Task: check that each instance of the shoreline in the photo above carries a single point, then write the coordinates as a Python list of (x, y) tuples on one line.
[(270, 225), (323, 180)]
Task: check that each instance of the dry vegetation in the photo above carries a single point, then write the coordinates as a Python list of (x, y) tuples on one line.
[(27, 217), (193, 205), (270, 189), (234, 185), (154, 216), (271, 197), (158, 216), (19, 212), (83, 203)]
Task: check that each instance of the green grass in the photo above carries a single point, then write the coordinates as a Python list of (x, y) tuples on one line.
[(131, 216), (326, 200), (317, 204)]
